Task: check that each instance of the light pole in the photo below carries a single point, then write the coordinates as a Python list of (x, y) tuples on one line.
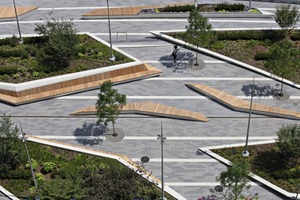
[(21, 41), (162, 140), (29, 160), (249, 5), (246, 152), (196, 5), (112, 57)]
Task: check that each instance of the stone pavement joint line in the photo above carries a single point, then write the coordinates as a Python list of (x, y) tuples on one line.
[(149, 108), (78, 84), (8, 13), (242, 105)]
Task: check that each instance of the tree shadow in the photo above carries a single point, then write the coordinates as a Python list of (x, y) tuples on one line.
[(260, 90), (96, 132), (182, 56)]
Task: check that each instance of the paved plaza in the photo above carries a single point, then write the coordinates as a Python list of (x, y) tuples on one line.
[(187, 172)]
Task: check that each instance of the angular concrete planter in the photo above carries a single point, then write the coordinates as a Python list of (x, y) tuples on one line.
[(70, 83)]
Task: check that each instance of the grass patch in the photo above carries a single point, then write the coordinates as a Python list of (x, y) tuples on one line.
[(63, 174), (267, 163), (26, 62)]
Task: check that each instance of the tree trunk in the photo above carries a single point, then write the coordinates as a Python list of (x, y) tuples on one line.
[(114, 133), (196, 63), (281, 90)]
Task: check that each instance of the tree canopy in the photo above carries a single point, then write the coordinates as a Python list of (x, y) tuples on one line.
[(108, 104), (287, 17)]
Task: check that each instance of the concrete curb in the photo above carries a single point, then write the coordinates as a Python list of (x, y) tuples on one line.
[(160, 34), (8, 194), (121, 158), (207, 150)]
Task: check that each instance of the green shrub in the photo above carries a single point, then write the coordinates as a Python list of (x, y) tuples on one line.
[(8, 70), (15, 76), (13, 41), (7, 51), (39, 178), (250, 35), (34, 164), (218, 45), (177, 8), (230, 7), (295, 35), (48, 167), (17, 174), (35, 40), (263, 56)]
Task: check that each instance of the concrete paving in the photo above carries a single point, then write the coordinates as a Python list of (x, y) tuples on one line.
[(191, 179)]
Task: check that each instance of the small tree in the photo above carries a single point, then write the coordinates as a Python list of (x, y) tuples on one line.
[(61, 40), (10, 145), (283, 60), (108, 104), (288, 143), (234, 181), (287, 17), (199, 31)]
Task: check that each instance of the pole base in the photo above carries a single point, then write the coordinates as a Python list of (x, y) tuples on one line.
[(245, 153), (112, 58)]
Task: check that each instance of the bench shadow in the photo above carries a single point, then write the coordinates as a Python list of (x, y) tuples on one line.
[(96, 132), (260, 90)]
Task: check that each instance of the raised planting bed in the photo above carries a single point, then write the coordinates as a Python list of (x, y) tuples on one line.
[(267, 163), (64, 174)]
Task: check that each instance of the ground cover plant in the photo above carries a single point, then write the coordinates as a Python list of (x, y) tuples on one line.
[(257, 48), (63, 174), (221, 7), (59, 50), (279, 162)]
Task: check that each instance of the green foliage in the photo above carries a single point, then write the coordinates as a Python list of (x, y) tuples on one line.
[(234, 180), (288, 143), (199, 31), (34, 164), (48, 167), (263, 56), (250, 35), (61, 41), (283, 59), (108, 104), (295, 35), (9, 70), (287, 17), (178, 8), (63, 189), (230, 7), (13, 41), (39, 177), (7, 51), (10, 145)]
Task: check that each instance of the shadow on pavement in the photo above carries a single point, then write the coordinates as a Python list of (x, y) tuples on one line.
[(259, 90), (90, 130)]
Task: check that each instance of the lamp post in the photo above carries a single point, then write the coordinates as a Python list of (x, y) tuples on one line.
[(249, 5), (196, 5), (162, 140), (17, 19), (29, 160), (246, 152), (112, 57)]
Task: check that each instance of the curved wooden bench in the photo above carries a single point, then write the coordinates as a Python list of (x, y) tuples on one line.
[(149, 108), (242, 105)]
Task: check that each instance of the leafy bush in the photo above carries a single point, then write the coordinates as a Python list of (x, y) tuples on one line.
[(13, 41), (230, 7), (34, 164), (7, 51), (177, 8), (263, 56), (295, 35), (39, 178), (48, 167), (249, 35), (8, 70)]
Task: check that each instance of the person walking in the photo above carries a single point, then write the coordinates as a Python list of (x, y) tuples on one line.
[(174, 53)]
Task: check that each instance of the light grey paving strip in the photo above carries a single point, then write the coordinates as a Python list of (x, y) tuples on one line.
[(168, 97), (193, 184), (58, 137), (172, 160), (208, 79), (170, 61)]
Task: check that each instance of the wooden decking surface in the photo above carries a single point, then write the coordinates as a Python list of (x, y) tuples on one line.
[(242, 105), (80, 84), (134, 10), (149, 108), (9, 12)]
